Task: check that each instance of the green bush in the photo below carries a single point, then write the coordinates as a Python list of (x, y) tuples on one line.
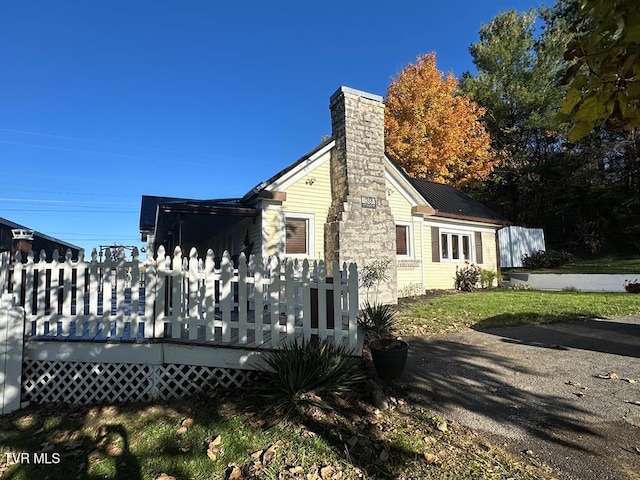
[(546, 259), (467, 277), (486, 278), (308, 374)]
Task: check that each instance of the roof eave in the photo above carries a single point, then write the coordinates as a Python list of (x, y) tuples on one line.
[(470, 218)]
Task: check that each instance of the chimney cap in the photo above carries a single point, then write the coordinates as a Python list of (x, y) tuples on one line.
[(353, 91)]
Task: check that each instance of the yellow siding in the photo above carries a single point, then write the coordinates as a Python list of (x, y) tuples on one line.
[(440, 275), (271, 232), (489, 253), (400, 207), (311, 194), (410, 270)]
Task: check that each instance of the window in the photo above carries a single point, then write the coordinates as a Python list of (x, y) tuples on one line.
[(403, 240), (298, 234), (455, 246)]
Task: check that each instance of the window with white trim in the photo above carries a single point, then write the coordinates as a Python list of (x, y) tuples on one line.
[(456, 246), (404, 243), (298, 235)]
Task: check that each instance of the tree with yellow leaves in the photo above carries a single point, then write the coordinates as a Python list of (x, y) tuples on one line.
[(432, 130)]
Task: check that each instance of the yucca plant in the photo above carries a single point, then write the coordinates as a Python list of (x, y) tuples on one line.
[(305, 374), (377, 320)]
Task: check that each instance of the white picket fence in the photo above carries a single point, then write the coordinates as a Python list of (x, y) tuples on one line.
[(87, 331), (185, 298)]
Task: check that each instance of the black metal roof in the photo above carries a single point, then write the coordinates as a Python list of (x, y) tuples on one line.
[(150, 205), (451, 202)]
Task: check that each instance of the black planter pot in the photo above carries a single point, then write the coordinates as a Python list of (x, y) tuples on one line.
[(389, 357)]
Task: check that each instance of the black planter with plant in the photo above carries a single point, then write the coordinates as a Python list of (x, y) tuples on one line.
[(389, 354)]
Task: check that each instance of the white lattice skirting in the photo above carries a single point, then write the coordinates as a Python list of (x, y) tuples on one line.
[(89, 383)]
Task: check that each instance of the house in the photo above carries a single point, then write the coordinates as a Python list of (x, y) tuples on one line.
[(18, 238), (346, 201)]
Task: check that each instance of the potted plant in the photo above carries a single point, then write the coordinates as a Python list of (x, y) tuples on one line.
[(389, 353)]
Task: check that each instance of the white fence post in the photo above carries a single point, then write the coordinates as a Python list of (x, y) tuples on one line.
[(11, 338), (4, 272)]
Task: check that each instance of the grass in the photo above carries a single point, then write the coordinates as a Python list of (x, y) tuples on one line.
[(226, 438), (440, 313), (614, 264)]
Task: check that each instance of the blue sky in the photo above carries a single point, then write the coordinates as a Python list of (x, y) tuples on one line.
[(102, 102)]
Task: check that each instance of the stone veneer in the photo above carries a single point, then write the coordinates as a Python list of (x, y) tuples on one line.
[(359, 225)]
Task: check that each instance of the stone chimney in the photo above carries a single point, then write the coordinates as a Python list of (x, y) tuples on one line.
[(359, 226)]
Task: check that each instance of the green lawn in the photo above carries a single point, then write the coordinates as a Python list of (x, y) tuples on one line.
[(609, 264), (444, 312)]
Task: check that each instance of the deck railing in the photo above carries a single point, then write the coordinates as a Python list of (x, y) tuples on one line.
[(255, 302)]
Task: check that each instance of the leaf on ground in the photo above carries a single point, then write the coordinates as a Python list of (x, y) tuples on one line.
[(187, 422), (579, 394), (268, 455), (212, 455), (234, 473), (430, 458), (430, 440), (216, 441), (608, 376), (257, 454), (633, 402), (76, 444), (384, 455), (629, 380), (181, 430), (164, 476), (326, 472), (572, 383), (442, 426), (114, 450)]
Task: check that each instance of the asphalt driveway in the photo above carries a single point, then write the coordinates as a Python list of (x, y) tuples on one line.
[(566, 395)]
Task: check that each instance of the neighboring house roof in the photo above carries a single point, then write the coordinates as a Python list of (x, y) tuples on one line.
[(13, 225), (449, 202)]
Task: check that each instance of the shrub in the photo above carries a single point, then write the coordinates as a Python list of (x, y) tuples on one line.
[(486, 278), (467, 277), (546, 259), (377, 320), (411, 290), (306, 374), (632, 287)]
